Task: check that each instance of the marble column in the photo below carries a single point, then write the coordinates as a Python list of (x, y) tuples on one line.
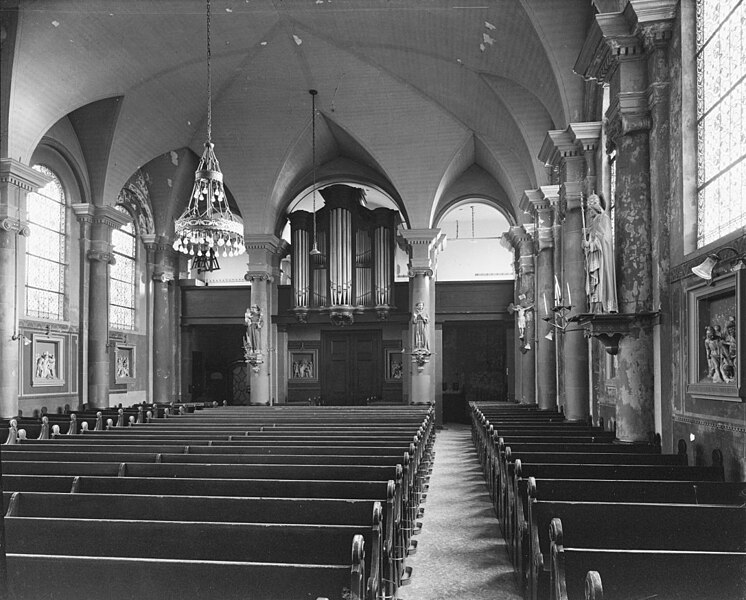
[(538, 202), (100, 255), (265, 253), (635, 421), (424, 245), (525, 308), (164, 347), (16, 181), (560, 149)]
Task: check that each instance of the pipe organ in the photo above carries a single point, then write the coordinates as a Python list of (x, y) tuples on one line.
[(354, 270)]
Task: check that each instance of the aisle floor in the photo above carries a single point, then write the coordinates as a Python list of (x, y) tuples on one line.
[(461, 552)]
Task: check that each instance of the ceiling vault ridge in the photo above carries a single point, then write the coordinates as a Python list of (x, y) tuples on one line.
[(551, 57)]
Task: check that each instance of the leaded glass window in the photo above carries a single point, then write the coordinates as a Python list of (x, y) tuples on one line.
[(45, 250), (122, 282), (721, 114)]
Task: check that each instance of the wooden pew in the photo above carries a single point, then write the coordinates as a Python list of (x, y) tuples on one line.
[(628, 526), (619, 574), (515, 518), (70, 578)]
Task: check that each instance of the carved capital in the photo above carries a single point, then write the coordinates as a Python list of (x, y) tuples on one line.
[(163, 276), (10, 224), (258, 276), (101, 256)]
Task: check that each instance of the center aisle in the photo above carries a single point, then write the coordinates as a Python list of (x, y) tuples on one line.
[(461, 552)]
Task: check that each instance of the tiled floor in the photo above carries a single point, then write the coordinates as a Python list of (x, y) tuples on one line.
[(461, 553)]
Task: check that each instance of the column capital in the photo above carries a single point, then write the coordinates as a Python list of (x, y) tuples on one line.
[(586, 135), (264, 252), (424, 245), (530, 201), (558, 145), (572, 193), (258, 276), (101, 256), (17, 180), (630, 112)]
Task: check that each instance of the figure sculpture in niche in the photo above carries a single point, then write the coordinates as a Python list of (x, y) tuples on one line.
[(713, 352), (598, 244), (420, 321), (46, 366), (254, 323), (123, 365)]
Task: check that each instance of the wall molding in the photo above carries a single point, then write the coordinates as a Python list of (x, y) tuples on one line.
[(710, 424)]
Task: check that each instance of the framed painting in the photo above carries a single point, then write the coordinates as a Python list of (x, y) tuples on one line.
[(48, 368)]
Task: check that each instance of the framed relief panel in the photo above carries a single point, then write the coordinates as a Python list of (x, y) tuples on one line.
[(394, 365), (715, 329), (124, 364), (303, 365), (48, 367)]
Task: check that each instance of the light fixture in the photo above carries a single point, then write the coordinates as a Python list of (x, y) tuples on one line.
[(705, 268), (314, 249), (550, 335), (20, 336), (207, 227)]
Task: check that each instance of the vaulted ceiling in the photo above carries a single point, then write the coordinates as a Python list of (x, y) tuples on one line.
[(427, 100)]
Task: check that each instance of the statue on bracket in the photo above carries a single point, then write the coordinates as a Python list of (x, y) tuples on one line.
[(598, 246), (421, 346), (252, 343)]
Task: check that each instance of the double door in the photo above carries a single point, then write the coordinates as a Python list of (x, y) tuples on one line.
[(351, 366)]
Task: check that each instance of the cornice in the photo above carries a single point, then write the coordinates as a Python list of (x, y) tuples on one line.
[(22, 176), (529, 200), (586, 135)]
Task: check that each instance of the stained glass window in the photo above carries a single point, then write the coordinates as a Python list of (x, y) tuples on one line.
[(122, 282), (721, 114), (45, 250)]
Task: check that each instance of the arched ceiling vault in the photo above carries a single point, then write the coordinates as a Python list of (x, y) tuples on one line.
[(429, 95)]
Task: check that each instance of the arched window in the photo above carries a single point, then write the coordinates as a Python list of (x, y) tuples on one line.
[(721, 98), (45, 250), (122, 281)]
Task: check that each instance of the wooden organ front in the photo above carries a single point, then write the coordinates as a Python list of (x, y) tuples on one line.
[(354, 270)]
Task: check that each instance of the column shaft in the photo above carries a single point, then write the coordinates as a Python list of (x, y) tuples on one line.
[(9, 348), (546, 394)]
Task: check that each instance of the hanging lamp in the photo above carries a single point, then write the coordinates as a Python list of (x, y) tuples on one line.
[(315, 248), (207, 227)]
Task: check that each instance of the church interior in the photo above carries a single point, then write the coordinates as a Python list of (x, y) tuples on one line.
[(420, 216)]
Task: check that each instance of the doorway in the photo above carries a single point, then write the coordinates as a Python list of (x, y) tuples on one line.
[(351, 367)]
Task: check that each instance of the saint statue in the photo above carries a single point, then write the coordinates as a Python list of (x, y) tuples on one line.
[(254, 322), (713, 352), (598, 243), (420, 321)]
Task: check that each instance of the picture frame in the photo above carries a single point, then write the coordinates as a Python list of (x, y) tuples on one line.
[(48, 360), (394, 365), (124, 363), (715, 332), (303, 365)]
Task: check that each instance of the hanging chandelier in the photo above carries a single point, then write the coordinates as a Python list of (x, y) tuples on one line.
[(207, 227), (315, 248)]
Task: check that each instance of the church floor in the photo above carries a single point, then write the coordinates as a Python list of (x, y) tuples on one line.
[(461, 552)]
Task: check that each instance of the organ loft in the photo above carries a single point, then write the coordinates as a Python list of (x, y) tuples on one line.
[(372, 300)]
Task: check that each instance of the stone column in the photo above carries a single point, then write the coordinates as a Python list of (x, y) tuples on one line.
[(186, 362), (102, 219), (538, 202), (524, 311), (561, 149), (265, 253), (629, 123), (656, 36), (16, 181), (164, 347), (424, 245)]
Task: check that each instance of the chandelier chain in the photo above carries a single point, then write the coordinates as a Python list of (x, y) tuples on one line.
[(209, 78), (313, 158)]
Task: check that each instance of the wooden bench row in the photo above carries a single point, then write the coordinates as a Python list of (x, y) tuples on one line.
[(265, 498), (614, 501)]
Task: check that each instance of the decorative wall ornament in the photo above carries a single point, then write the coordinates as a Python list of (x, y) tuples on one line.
[(252, 342), (135, 196), (10, 224)]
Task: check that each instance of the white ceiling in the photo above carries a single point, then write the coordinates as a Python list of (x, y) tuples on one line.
[(428, 101)]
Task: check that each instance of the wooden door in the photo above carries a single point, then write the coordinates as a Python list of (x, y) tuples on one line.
[(351, 366)]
